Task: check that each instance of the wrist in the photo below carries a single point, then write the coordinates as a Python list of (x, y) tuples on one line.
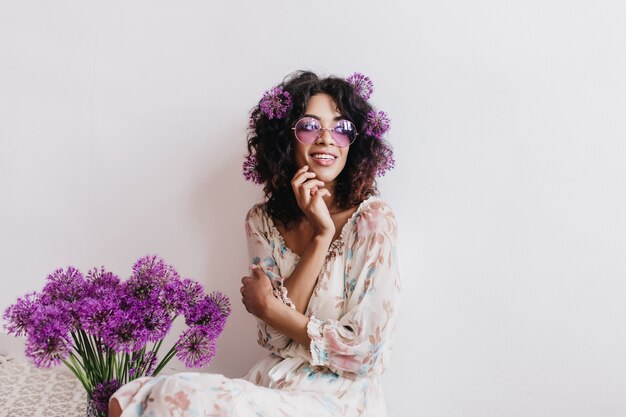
[(268, 311), (324, 235)]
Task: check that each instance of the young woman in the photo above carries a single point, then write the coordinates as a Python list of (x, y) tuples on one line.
[(324, 282)]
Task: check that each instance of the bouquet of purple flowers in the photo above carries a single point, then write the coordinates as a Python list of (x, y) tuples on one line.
[(109, 332)]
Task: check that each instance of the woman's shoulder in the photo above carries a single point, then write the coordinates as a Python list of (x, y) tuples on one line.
[(375, 215), (256, 212), (258, 220)]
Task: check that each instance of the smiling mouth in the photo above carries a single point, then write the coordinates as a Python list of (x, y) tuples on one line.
[(323, 156)]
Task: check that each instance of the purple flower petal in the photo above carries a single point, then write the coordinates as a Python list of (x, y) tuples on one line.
[(275, 103), (66, 285), (222, 301), (208, 314), (388, 164), (47, 342), (102, 393), (250, 172), (195, 347), (125, 332), (377, 124), (18, 316), (361, 84)]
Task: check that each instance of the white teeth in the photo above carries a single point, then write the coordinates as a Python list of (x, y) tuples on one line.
[(323, 156)]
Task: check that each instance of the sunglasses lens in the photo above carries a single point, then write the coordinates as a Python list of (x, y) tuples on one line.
[(344, 133), (307, 130)]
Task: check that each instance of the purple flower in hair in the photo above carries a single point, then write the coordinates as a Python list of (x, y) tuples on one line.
[(361, 84), (388, 164), (377, 124), (250, 172), (275, 103), (196, 347)]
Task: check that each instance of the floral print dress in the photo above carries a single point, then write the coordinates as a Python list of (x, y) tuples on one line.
[(352, 314)]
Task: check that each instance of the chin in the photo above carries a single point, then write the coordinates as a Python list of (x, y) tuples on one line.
[(324, 175)]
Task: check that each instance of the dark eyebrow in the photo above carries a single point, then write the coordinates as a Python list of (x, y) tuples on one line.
[(318, 118)]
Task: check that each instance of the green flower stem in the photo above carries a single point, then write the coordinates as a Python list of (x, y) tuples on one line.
[(101, 363), (119, 363), (91, 356), (110, 363), (78, 375), (124, 376), (168, 356)]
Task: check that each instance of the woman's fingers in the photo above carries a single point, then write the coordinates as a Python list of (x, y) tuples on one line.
[(322, 192), (310, 184), (298, 180)]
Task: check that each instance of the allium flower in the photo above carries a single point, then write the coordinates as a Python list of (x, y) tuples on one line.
[(208, 314), (96, 312), (192, 294), (102, 393), (47, 351), (222, 301), (157, 323), (361, 84), (101, 283), (195, 347), (388, 164), (173, 297), (19, 315), (47, 342), (275, 103), (250, 172), (377, 124), (125, 332), (67, 285), (99, 320), (155, 267)]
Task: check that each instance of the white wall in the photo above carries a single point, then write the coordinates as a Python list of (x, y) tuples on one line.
[(122, 134)]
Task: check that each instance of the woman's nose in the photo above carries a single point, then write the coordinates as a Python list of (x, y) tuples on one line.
[(326, 137)]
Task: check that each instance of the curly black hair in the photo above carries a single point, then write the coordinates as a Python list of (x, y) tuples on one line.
[(271, 142)]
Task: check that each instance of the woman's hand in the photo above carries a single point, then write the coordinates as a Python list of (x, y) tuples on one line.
[(256, 293), (309, 194)]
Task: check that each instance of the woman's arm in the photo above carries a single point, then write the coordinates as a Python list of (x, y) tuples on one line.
[(259, 301), (359, 342), (302, 280), (310, 195)]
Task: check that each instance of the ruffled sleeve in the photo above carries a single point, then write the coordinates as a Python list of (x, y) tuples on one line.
[(360, 341), (261, 249)]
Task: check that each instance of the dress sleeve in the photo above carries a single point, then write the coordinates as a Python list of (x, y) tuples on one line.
[(360, 341), (261, 253)]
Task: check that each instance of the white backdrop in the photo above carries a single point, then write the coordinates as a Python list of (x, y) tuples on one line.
[(122, 133)]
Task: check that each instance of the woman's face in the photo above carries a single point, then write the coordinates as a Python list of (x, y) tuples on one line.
[(323, 156)]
